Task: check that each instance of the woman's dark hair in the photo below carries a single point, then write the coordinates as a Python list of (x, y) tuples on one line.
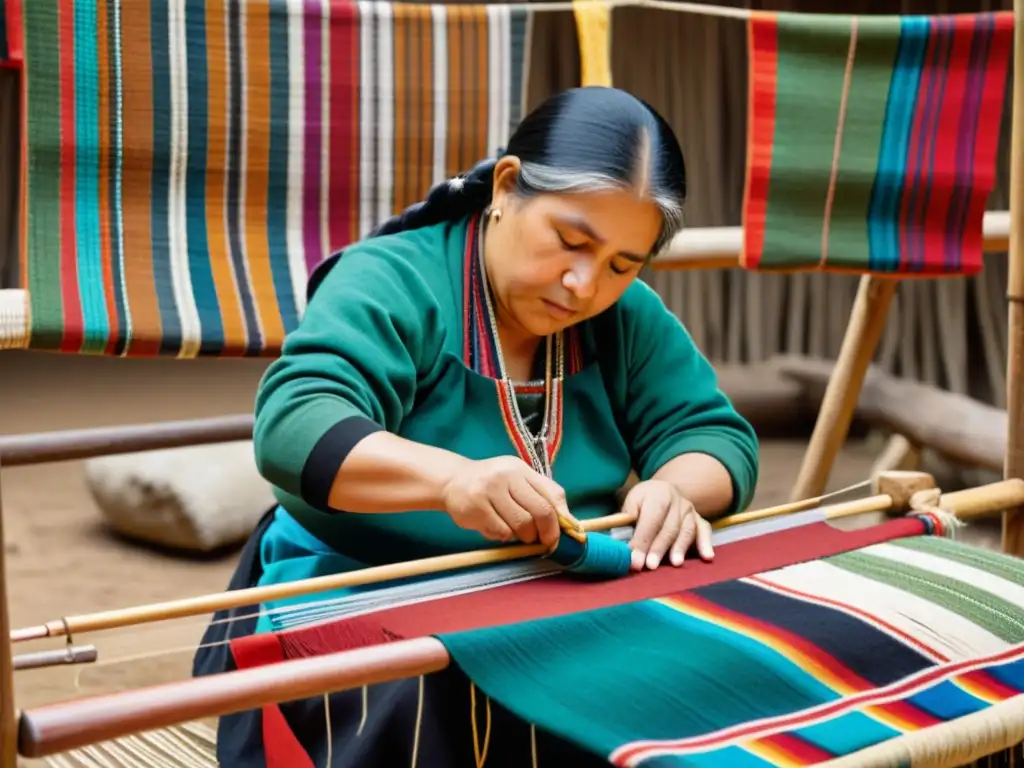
[(580, 140)]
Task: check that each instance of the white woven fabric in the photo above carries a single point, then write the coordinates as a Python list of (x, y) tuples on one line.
[(14, 319)]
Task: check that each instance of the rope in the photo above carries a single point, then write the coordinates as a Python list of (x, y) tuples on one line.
[(925, 503)]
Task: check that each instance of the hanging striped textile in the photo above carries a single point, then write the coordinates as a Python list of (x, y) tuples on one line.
[(794, 665), (872, 141), (190, 161)]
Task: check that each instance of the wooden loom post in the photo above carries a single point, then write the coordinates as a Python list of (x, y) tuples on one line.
[(867, 322), (8, 715), (1013, 520)]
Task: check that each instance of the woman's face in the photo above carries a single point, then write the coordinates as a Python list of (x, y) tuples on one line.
[(556, 260)]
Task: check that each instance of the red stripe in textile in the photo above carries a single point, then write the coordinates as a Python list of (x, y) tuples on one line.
[(986, 137), (280, 746), (799, 751), (344, 126), (763, 73), (992, 686), (916, 174), (14, 44), (943, 168), (560, 595)]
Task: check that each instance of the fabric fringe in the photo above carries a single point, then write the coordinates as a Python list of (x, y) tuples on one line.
[(977, 740), (192, 745), (14, 320)]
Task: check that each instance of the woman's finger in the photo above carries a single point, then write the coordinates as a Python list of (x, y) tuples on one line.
[(543, 515), (687, 533), (547, 518), (491, 525), (670, 528), (704, 548), (650, 517), (519, 519)]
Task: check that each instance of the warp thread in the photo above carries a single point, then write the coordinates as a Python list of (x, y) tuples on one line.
[(938, 521), (598, 556)]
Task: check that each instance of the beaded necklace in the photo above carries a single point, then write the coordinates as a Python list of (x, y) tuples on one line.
[(483, 351)]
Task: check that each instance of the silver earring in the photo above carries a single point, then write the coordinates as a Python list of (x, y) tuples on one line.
[(496, 215)]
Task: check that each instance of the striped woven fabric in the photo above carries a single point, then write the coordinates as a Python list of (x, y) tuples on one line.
[(872, 141), (791, 667), (894, 632), (189, 162)]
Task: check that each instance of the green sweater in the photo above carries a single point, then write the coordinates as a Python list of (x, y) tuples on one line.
[(382, 346)]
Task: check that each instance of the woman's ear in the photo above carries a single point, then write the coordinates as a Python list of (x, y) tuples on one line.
[(506, 173)]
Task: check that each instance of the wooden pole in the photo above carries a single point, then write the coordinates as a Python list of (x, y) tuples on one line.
[(1013, 520), (75, 444), (67, 725), (8, 715), (220, 601), (867, 322)]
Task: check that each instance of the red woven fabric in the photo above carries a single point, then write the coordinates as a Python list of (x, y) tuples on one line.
[(559, 595)]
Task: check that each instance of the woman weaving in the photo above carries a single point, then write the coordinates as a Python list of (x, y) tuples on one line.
[(486, 365)]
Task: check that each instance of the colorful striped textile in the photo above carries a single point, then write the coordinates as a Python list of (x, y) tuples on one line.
[(189, 162), (849, 639), (871, 141)]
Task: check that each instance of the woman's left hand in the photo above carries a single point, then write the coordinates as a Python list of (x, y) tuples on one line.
[(666, 523)]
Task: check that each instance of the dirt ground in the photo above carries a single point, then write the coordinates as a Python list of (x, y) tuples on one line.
[(61, 560)]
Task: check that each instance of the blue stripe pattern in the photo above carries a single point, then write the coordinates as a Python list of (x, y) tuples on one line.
[(847, 733), (207, 304), (89, 257), (170, 338), (886, 194), (115, 160), (277, 193)]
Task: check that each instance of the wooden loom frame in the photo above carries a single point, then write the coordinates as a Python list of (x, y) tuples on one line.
[(708, 248)]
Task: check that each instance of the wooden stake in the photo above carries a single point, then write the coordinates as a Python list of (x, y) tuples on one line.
[(1013, 520), (8, 715), (867, 321)]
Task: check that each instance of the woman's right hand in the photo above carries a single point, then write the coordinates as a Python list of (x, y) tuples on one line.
[(505, 498)]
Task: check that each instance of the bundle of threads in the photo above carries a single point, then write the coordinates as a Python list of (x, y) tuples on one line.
[(594, 555)]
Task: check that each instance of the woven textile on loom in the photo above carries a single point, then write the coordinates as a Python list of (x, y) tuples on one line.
[(752, 661), (871, 141), (188, 163)]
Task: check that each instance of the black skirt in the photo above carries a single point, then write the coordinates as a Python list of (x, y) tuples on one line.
[(387, 726)]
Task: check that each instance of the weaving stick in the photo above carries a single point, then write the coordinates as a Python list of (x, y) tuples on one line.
[(195, 606), (789, 508), (59, 727), (899, 484)]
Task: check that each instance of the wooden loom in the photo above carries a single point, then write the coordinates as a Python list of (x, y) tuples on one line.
[(52, 729)]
